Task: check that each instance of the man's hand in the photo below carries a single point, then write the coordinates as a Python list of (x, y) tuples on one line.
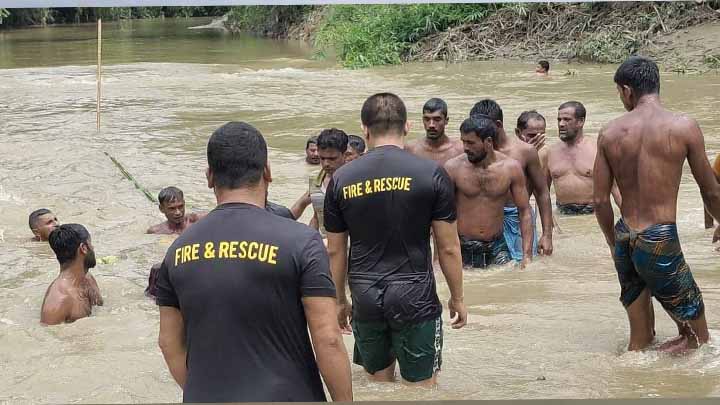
[(545, 245), (538, 141), (525, 261), (344, 316), (458, 313), (716, 237)]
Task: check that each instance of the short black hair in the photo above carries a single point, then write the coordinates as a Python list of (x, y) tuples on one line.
[(237, 155), (526, 116), (65, 240), (170, 194), (545, 65), (35, 215), (313, 140), (436, 104), (382, 113), (489, 108), (577, 106), (481, 125), (356, 143), (639, 73), (333, 138)]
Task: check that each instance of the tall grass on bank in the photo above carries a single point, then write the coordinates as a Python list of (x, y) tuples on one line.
[(365, 35), (73, 15)]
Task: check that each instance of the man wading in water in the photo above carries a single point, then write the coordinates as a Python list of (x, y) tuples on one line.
[(644, 151)]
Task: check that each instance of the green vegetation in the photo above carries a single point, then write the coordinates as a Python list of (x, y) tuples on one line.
[(608, 47), (271, 21), (713, 61), (371, 35), (73, 15)]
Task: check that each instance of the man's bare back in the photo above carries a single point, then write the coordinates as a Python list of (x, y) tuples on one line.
[(441, 153), (69, 298), (570, 168), (481, 194)]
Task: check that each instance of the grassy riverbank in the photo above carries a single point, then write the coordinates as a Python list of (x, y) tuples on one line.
[(20, 17)]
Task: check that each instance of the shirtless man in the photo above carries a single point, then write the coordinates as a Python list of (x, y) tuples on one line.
[(172, 204), (644, 151), (542, 68), (569, 164), (483, 179), (311, 151), (42, 222), (74, 292), (436, 145), (530, 129), (528, 158)]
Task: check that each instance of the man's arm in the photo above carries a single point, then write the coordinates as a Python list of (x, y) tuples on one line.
[(299, 206), (518, 189), (448, 244), (93, 283), (56, 309), (332, 358), (337, 250), (542, 196), (615, 191), (172, 343), (602, 184), (314, 224), (702, 171)]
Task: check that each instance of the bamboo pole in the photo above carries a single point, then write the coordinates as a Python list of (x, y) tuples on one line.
[(99, 70), (132, 179)]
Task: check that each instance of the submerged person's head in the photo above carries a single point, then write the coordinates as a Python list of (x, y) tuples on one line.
[(435, 118), (332, 145), (356, 148), (478, 134), (172, 204), (529, 125), (311, 151), (543, 67), (72, 243), (42, 222), (488, 108), (635, 78), (238, 159), (571, 119), (383, 115)]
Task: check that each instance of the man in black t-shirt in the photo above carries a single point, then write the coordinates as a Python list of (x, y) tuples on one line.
[(239, 289), (387, 202)]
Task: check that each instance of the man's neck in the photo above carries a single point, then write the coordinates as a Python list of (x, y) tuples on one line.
[(74, 271), (253, 196), (388, 140), (648, 100), (502, 139), (437, 142), (485, 163), (177, 227), (577, 140)]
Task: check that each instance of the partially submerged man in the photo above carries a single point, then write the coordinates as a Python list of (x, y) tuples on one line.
[(535, 182), (332, 148), (483, 179), (542, 68), (387, 202), (171, 203), (436, 145), (74, 292), (239, 333), (311, 151), (644, 152), (356, 148), (42, 222), (568, 164)]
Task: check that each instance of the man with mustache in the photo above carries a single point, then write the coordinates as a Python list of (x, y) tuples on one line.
[(171, 203), (569, 164), (436, 145), (483, 179), (74, 292)]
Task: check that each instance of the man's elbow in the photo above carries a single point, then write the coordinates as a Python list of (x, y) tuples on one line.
[(601, 200), (329, 342), (167, 345)]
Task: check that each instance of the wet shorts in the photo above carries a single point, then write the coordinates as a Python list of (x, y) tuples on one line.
[(416, 346), (512, 234), (653, 259), (480, 254), (576, 209)]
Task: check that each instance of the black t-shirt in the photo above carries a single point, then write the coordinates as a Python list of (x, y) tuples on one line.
[(238, 277), (279, 210), (387, 201)]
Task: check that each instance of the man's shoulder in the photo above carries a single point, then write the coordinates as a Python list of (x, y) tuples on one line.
[(159, 229)]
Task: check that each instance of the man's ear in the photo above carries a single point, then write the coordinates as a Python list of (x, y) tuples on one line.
[(499, 124), (83, 248), (267, 174), (209, 177), (407, 127), (517, 132)]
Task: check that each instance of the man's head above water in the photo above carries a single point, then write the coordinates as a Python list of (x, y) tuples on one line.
[(571, 119), (71, 244), (311, 151), (172, 204), (435, 118), (332, 148), (42, 222), (543, 67)]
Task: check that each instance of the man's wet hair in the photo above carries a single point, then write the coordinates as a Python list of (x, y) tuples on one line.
[(577, 106), (382, 113), (237, 155), (489, 108), (65, 240), (480, 125), (313, 140), (333, 138), (526, 116), (545, 65), (356, 143), (35, 215), (436, 104), (639, 73), (170, 194)]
